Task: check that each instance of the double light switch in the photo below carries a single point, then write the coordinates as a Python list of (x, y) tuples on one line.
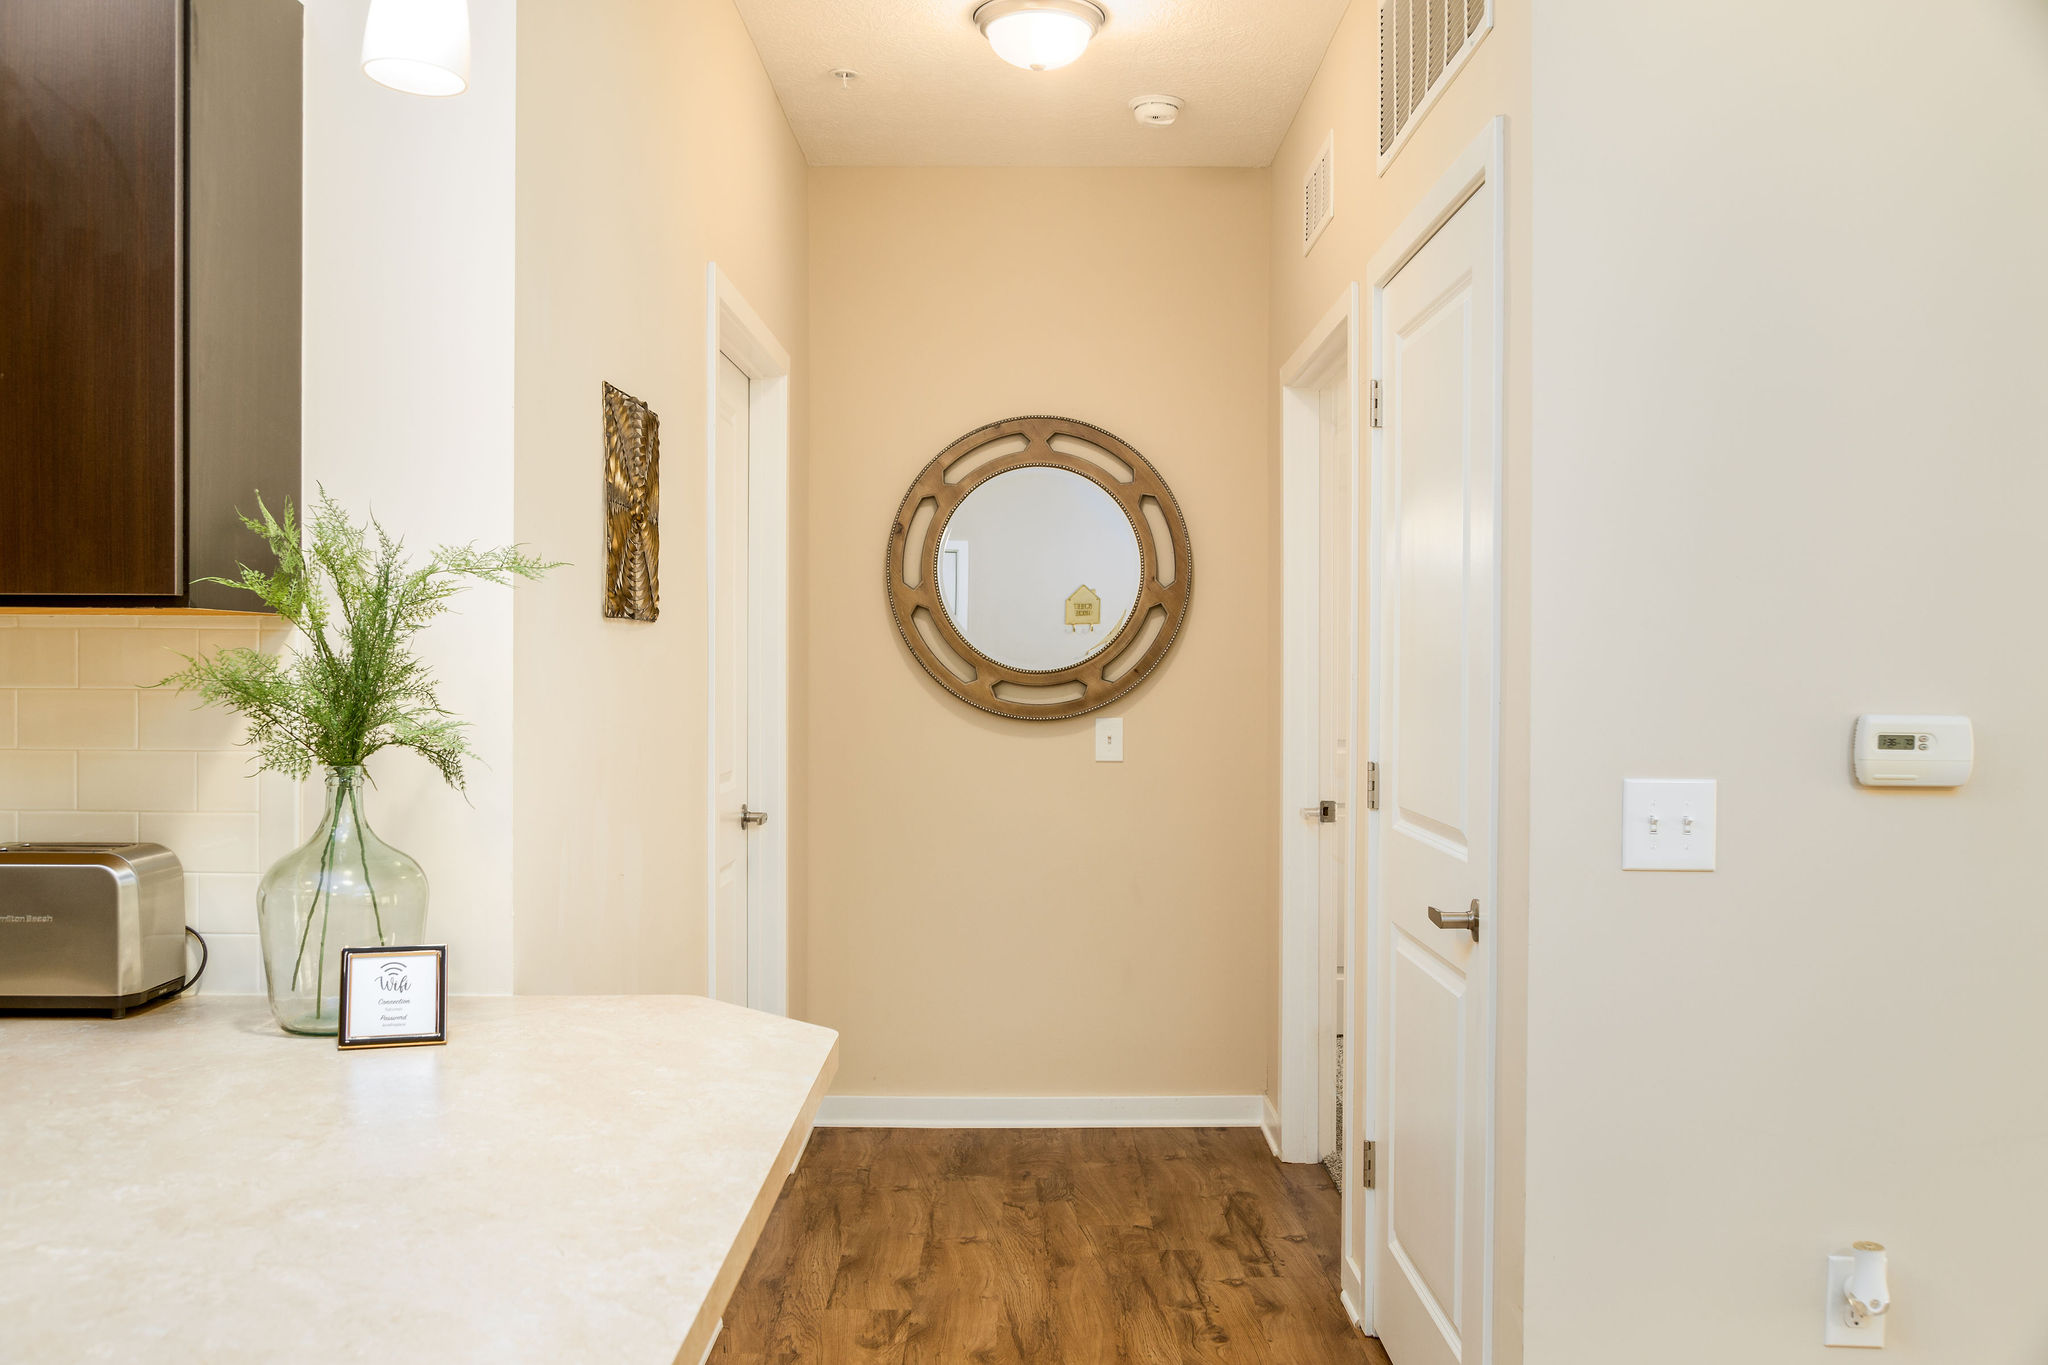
[(1667, 824)]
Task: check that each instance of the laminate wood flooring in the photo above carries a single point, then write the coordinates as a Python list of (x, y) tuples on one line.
[(1142, 1246)]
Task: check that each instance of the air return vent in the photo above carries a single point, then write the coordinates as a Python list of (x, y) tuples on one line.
[(1319, 194), (1422, 45)]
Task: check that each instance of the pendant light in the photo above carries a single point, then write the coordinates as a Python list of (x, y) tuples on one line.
[(1039, 35), (418, 46)]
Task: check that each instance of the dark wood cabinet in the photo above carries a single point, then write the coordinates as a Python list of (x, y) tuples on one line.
[(149, 293)]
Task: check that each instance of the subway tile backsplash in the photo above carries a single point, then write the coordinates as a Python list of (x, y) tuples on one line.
[(89, 751)]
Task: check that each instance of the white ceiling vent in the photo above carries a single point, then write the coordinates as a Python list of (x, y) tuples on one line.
[(1423, 43), (1319, 194)]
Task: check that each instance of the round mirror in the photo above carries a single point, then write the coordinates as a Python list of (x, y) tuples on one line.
[(1038, 569)]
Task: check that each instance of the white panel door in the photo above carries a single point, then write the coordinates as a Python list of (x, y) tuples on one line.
[(1337, 663), (1437, 590), (729, 757)]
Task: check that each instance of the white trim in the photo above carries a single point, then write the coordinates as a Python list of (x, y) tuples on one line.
[(1269, 1125), (1041, 1111), (1482, 163), (733, 329), (1331, 343), (1435, 92)]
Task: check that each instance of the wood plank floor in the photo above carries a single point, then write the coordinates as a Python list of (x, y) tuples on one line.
[(1152, 1246)]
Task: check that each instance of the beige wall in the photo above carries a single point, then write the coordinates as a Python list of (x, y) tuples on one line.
[(1344, 99), (1789, 430), (992, 912), (649, 144), (408, 412)]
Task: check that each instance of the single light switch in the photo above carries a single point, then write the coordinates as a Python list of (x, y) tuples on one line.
[(1109, 739), (1667, 825)]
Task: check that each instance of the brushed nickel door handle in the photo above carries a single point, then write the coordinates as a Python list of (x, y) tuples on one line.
[(752, 819), (1457, 919), (1323, 812)]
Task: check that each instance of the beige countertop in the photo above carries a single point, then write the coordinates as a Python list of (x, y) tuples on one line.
[(570, 1178)]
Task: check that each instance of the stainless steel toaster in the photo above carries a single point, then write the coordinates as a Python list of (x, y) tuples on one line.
[(90, 926)]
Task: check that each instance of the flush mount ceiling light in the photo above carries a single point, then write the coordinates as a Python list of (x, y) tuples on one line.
[(418, 46), (1039, 35)]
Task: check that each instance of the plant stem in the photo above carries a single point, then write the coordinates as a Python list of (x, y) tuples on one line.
[(355, 798), (326, 860)]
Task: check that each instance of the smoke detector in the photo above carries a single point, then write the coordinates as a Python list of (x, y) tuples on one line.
[(1156, 110)]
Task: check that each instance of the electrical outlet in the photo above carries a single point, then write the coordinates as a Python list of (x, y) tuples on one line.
[(1667, 825), (1109, 739)]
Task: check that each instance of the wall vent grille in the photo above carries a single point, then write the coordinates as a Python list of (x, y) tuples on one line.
[(1319, 193), (1423, 43)]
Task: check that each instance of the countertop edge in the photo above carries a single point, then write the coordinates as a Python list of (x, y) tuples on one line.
[(703, 1332)]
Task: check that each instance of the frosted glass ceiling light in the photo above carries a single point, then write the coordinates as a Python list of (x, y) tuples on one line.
[(1039, 35), (418, 46)]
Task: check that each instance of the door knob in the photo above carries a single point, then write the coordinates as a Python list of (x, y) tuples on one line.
[(1323, 812), (1457, 919), (752, 819)]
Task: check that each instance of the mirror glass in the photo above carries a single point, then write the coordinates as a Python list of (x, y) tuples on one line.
[(1039, 568)]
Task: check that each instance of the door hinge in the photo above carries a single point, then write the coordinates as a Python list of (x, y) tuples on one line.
[(1372, 786), (1369, 1167), (1374, 408)]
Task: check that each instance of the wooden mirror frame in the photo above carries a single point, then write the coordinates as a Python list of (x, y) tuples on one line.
[(991, 680)]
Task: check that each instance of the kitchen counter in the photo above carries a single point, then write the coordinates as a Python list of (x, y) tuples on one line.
[(570, 1178)]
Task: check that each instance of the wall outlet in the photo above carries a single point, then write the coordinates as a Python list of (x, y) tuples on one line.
[(1109, 739), (1836, 1330), (1667, 825)]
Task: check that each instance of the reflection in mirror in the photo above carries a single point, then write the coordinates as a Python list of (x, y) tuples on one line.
[(1056, 568)]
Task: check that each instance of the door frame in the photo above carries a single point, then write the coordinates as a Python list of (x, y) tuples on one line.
[(734, 329), (1480, 165), (1333, 342)]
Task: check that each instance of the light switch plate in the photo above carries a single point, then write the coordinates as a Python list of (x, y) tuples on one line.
[(1109, 739), (1667, 825), (1835, 1328)]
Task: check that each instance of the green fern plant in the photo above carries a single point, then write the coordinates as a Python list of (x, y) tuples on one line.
[(355, 687)]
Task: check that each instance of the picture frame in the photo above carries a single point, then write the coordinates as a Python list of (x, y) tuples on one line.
[(393, 997)]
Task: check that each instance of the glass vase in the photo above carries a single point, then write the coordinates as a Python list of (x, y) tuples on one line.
[(343, 888)]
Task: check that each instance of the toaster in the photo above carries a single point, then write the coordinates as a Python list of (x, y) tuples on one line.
[(90, 926)]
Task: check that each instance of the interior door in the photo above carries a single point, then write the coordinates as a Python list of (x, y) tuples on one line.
[(1336, 665), (1437, 591), (729, 925)]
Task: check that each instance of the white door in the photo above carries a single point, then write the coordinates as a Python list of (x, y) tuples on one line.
[(1336, 664), (1437, 590), (729, 737)]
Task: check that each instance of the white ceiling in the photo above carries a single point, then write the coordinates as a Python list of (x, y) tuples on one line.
[(932, 93)]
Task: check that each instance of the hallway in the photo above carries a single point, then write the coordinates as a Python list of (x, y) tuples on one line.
[(1075, 1246)]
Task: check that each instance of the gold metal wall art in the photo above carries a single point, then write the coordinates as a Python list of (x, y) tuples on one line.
[(1055, 503), (632, 507)]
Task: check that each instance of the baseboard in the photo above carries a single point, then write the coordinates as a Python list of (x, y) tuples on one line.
[(1042, 1111), (1269, 1125)]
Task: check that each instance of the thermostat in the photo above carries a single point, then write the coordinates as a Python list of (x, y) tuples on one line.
[(1914, 751)]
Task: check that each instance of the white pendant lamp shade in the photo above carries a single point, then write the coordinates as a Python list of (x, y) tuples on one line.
[(1039, 35), (418, 46)]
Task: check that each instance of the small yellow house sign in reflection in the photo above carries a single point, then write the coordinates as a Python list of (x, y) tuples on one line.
[(1084, 607)]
